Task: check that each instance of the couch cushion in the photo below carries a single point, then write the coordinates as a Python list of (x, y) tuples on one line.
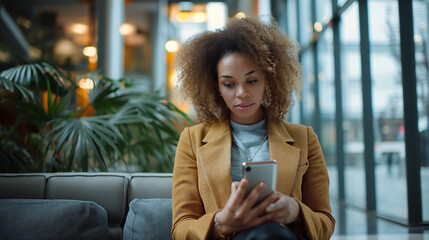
[(148, 219), (150, 185), (106, 189), (22, 186), (52, 219)]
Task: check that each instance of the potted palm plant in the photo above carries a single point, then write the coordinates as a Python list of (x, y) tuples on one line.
[(50, 124)]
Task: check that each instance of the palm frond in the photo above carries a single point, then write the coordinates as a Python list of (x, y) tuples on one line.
[(150, 124), (56, 108), (13, 158), (36, 74), (105, 97), (56, 105), (75, 141), (10, 86)]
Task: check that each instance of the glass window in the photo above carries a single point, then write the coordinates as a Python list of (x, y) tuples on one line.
[(306, 24), (138, 31), (53, 31), (292, 30), (324, 11), (341, 2), (327, 105), (352, 107), (421, 24), (308, 101), (391, 194), (292, 25)]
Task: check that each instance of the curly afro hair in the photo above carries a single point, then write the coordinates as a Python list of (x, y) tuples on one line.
[(271, 50)]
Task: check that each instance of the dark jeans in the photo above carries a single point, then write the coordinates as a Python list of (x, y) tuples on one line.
[(266, 231)]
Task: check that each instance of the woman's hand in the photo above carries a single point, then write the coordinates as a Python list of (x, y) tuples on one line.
[(240, 213), (286, 209)]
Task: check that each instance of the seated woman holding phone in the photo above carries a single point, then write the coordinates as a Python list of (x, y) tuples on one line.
[(241, 80)]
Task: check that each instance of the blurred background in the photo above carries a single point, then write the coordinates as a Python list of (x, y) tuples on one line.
[(366, 75)]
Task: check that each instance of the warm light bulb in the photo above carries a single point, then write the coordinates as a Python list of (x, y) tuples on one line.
[(127, 29), (86, 83), (79, 28), (318, 26), (240, 15), (172, 46), (90, 51)]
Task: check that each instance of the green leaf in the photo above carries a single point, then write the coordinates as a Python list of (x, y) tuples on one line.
[(85, 137), (8, 85)]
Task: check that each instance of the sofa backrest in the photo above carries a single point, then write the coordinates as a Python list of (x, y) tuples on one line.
[(29, 186), (150, 185), (112, 191), (109, 190)]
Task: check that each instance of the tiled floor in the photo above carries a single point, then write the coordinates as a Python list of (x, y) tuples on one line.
[(354, 224)]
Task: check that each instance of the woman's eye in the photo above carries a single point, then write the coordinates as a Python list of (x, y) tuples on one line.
[(251, 82), (228, 85)]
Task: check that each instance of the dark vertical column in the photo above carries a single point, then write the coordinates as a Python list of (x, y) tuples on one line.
[(412, 139), (339, 132), (299, 39), (101, 35), (317, 121), (367, 107)]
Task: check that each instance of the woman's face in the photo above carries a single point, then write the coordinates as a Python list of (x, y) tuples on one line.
[(241, 85)]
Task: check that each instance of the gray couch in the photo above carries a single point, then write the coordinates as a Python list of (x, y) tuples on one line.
[(106, 205)]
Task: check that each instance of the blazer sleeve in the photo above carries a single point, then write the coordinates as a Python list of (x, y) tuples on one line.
[(189, 218), (315, 221)]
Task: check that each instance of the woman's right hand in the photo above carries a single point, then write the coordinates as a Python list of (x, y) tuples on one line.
[(240, 213)]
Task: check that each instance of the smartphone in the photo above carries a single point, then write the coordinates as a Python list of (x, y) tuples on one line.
[(255, 172)]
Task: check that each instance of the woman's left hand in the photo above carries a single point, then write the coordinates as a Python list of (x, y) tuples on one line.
[(286, 208)]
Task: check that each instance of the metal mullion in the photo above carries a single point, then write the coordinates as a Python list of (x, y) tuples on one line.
[(317, 119), (299, 39), (339, 131), (340, 10), (412, 139), (367, 107), (101, 12)]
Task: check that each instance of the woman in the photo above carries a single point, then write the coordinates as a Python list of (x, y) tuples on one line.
[(241, 80)]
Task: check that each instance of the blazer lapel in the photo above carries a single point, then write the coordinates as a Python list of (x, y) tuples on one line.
[(215, 158), (287, 156)]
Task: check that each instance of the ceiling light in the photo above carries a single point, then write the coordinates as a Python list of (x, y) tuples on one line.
[(90, 51), (127, 29), (172, 46), (79, 28), (318, 26)]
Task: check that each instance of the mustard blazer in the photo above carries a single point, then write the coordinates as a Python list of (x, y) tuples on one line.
[(202, 178)]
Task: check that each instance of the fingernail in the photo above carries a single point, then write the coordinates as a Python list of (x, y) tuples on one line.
[(262, 184), (276, 212), (269, 208)]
